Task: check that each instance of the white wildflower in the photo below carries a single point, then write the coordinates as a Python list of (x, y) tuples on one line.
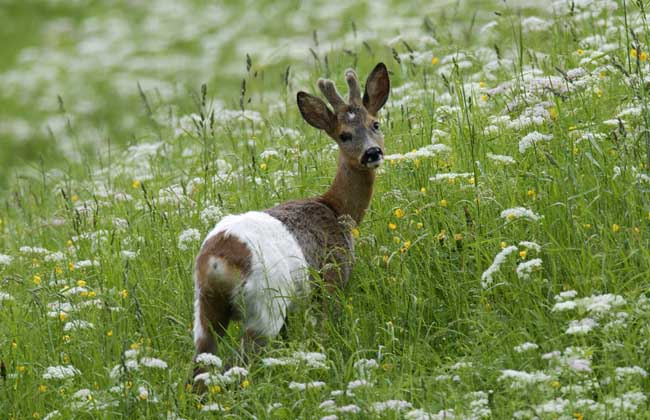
[(5, 297), (486, 277), (582, 326), (5, 259), (505, 159), (54, 257), (525, 268), (568, 294), (450, 175), (520, 378), (556, 406), (83, 394), (211, 215), (564, 306), (153, 362), (526, 347), (628, 402), (357, 384), (531, 139), (235, 372), (518, 213), (209, 359), (309, 385), (187, 237), (327, 405), (426, 151), (128, 255), (580, 364), (312, 359), (77, 325), (60, 372), (623, 372), (350, 408), (363, 366), (395, 405), (534, 24), (131, 353), (33, 250), (420, 414), (530, 245)]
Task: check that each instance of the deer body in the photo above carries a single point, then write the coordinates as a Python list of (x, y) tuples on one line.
[(252, 266)]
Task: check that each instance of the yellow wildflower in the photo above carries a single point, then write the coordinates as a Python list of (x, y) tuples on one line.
[(580, 51), (523, 254), (616, 228), (263, 166), (81, 283), (214, 389), (423, 190), (420, 225), (245, 384), (62, 316), (66, 338), (405, 246), (58, 270), (458, 237), (392, 226), (556, 384), (74, 198), (434, 61), (399, 213), (355, 233), (124, 293), (633, 53), (396, 239), (109, 333), (552, 112), (36, 279), (502, 244), (531, 193), (443, 203), (136, 184)]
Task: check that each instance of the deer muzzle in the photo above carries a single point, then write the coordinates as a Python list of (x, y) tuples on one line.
[(372, 157)]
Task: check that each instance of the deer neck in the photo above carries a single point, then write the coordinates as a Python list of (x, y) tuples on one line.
[(351, 191)]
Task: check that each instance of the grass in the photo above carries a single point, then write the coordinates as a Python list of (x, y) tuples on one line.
[(92, 211)]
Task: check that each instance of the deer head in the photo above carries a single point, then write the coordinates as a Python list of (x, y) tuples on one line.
[(352, 124)]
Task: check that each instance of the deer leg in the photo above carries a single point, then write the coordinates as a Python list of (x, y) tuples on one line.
[(212, 316)]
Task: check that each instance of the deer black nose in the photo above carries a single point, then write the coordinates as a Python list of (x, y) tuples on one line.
[(372, 155)]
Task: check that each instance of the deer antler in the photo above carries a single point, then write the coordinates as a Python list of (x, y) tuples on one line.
[(353, 85), (332, 95)]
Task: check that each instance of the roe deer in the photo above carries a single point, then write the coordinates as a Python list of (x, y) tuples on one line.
[(252, 265)]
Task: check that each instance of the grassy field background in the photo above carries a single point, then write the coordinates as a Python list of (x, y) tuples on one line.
[(502, 269)]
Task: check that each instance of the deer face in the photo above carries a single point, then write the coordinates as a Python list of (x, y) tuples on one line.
[(353, 124)]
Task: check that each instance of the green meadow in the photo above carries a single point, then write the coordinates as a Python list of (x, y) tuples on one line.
[(502, 269)]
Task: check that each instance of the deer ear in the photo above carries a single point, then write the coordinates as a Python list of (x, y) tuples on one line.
[(315, 112), (377, 89)]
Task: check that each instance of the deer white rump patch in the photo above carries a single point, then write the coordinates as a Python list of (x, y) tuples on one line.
[(278, 271)]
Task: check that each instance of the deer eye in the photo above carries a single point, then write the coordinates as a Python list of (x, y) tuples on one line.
[(345, 136), (375, 125)]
